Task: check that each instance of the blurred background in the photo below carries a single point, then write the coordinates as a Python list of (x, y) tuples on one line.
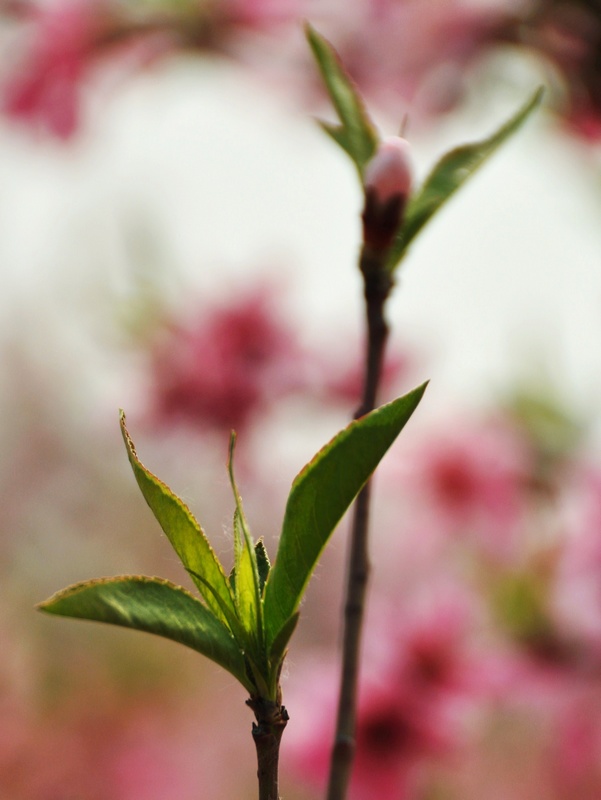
[(179, 239)]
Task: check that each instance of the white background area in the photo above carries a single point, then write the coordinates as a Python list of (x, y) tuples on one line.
[(202, 179)]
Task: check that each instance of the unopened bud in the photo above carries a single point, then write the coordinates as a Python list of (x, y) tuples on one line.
[(387, 182)]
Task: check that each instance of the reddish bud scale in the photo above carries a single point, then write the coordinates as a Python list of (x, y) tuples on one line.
[(387, 184)]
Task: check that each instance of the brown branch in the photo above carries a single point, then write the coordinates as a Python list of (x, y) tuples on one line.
[(267, 733), (377, 286)]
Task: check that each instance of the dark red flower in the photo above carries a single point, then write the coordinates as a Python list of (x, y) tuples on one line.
[(226, 366)]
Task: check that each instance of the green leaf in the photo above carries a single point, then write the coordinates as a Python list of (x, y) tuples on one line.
[(184, 533), (320, 495), (155, 606), (448, 175), (245, 586), (356, 133), (280, 643), (247, 582)]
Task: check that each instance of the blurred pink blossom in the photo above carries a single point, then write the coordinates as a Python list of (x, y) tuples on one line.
[(416, 53), (341, 379), (225, 367), (577, 591), (260, 13), (44, 88), (64, 40), (421, 676), (576, 746), (473, 480), (88, 753), (413, 50), (229, 364)]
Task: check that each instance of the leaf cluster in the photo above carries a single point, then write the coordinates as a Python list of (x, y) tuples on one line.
[(242, 621)]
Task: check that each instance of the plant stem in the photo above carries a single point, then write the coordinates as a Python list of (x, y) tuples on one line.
[(377, 286), (267, 733)]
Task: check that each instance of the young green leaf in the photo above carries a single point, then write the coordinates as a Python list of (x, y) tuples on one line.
[(246, 596), (356, 133), (155, 606), (184, 533), (320, 495), (448, 175), (247, 582)]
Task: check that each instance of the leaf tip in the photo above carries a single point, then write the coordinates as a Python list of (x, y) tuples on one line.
[(420, 390), (122, 424), (533, 102), (312, 35), (50, 605), (308, 29), (131, 449), (231, 449)]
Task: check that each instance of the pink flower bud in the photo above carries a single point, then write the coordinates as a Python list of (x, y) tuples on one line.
[(387, 182), (389, 172)]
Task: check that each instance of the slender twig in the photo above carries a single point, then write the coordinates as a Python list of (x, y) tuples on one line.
[(377, 286), (267, 734)]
